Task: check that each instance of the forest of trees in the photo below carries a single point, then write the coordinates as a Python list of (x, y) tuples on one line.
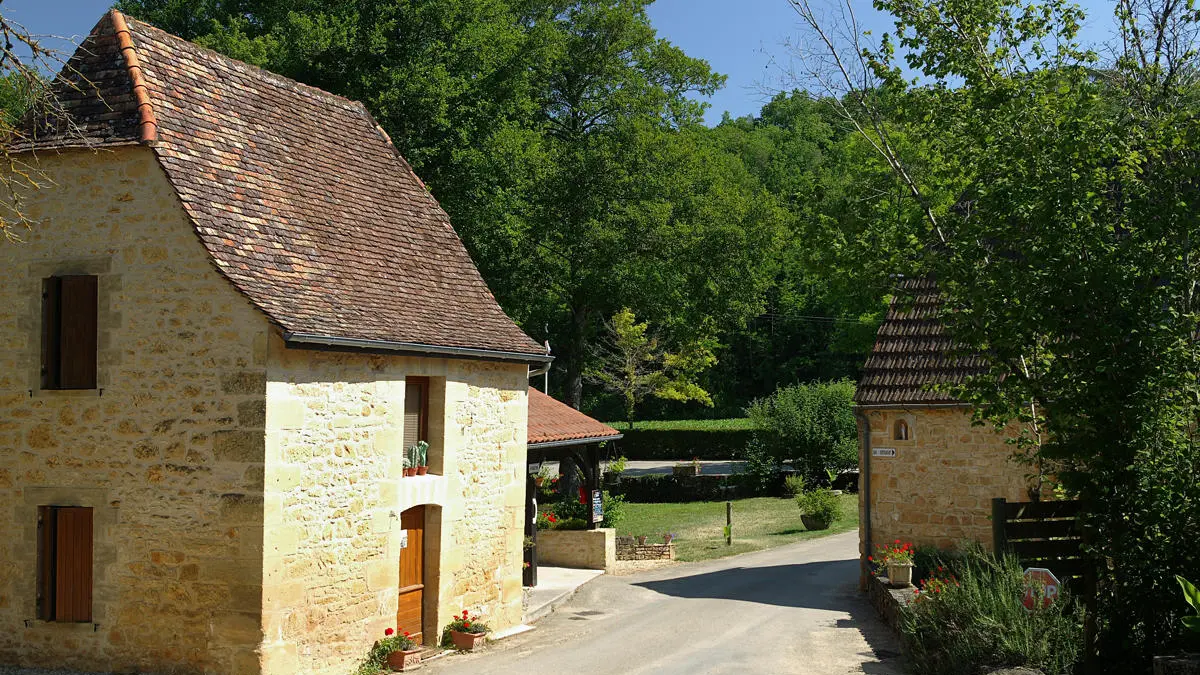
[(566, 141)]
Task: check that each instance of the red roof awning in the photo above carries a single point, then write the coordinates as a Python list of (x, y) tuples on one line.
[(553, 423)]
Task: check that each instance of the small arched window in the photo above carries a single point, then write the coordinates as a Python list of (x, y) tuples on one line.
[(901, 432)]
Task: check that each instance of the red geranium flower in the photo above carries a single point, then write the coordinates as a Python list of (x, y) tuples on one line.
[(389, 632)]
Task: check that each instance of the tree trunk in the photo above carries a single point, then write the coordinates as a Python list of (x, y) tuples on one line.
[(577, 349)]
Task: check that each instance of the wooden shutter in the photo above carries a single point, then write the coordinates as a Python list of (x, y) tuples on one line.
[(51, 354), (78, 333), (69, 332), (47, 540), (73, 573), (416, 407)]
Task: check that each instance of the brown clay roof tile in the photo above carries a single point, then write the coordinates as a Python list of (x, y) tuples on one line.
[(298, 195)]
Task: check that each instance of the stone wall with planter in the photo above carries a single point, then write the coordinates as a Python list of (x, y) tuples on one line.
[(581, 549), (937, 488), (629, 549)]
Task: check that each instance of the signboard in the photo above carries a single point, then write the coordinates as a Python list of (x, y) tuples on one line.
[(1041, 588), (597, 507), (883, 452), (403, 539)]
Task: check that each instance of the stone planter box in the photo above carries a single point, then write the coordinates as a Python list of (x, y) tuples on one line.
[(581, 549), (685, 470), (629, 549)]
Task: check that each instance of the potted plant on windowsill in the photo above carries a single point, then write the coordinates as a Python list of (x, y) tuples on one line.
[(467, 632), (420, 453), (406, 463), (397, 653), (896, 560)]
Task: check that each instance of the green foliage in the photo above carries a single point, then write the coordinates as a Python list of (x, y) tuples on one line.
[(616, 467), (1192, 595), (762, 468), (631, 363), (732, 424), (1051, 196), (812, 425), (820, 504), (571, 524), (466, 623), (980, 623), (573, 509), (793, 486), (713, 444)]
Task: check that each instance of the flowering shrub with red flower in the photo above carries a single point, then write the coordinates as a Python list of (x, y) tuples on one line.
[(546, 520), (382, 649), (896, 553), (935, 585), (464, 623)]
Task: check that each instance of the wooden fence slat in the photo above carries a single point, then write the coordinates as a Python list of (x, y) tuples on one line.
[(1041, 529), (1029, 550), (1040, 510)]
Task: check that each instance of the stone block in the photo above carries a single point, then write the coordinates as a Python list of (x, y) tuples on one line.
[(238, 446)]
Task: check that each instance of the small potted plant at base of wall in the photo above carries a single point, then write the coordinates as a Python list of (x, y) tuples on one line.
[(896, 560), (467, 632), (818, 508), (394, 652)]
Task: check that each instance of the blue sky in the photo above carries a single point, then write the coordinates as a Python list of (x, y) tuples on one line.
[(740, 38)]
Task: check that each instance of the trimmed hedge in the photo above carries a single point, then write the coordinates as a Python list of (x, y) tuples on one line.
[(683, 445), (663, 488)]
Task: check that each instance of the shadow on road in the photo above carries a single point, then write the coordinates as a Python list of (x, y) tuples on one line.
[(826, 585), (801, 585)]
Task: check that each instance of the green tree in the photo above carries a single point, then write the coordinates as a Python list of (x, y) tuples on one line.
[(811, 425), (632, 363), (1052, 197)]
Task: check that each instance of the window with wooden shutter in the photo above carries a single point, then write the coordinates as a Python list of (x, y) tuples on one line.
[(416, 410), (64, 574), (69, 332)]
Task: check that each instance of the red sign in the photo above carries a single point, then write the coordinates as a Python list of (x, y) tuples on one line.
[(1041, 587)]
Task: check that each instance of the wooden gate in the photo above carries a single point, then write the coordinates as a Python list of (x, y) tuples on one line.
[(1042, 534), (410, 611)]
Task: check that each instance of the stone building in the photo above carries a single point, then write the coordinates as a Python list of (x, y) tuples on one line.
[(234, 310), (927, 474)]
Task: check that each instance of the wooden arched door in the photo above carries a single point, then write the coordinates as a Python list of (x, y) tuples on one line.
[(410, 612)]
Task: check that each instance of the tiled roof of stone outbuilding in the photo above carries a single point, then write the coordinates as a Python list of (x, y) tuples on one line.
[(552, 422), (300, 198), (912, 352)]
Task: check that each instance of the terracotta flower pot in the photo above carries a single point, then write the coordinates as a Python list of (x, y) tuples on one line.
[(410, 472), (900, 574), (422, 470), (668, 538), (467, 641), (402, 661), (641, 540)]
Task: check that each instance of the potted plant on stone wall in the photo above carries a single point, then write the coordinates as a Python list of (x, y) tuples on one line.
[(420, 453), (407, 463), (896, 560), (668, 537), (466, 632)]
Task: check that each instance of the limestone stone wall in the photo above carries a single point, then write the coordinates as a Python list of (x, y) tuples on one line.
[(629, 549), (938, 488), (168, 450), (582, 549), (334, 495)]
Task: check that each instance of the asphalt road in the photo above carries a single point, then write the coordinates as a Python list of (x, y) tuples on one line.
[(792, 609)]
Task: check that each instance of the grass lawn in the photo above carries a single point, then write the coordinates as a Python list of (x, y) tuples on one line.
[(758, 523), (732, 424)]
